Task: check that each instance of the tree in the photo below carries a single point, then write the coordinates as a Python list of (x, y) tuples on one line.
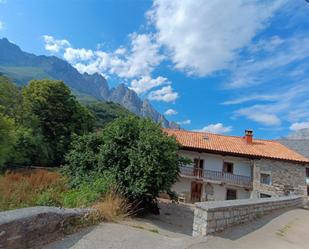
[(54, 112), (29, 148), (143, 159), (7, 138), (10, 99), (82, 158)]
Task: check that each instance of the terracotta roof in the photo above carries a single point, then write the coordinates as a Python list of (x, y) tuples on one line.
[(233, 145)]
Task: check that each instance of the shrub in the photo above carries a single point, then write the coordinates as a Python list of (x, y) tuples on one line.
[(142, 158), (89, 191)]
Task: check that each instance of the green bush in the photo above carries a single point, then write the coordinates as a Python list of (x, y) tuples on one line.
[(89, 191), (142, 158)]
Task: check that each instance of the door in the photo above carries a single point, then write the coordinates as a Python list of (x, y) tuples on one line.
[(196, 191), (198, 167), (231, 194)]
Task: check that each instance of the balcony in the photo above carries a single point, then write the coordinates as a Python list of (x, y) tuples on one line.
[(217, 176)]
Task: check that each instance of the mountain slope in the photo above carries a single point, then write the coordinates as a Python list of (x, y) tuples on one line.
[(21, 67), (298, 141)]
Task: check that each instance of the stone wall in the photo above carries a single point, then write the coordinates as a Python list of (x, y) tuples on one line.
[(286, 178), (215, 216), (36, 226)]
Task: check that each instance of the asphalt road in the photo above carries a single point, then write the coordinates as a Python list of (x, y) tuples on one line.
[(288, 230)]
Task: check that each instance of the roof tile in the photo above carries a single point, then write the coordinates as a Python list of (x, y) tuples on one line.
[(235, 145)]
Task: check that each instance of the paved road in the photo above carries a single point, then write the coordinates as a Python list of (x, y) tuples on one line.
[(288, 230)]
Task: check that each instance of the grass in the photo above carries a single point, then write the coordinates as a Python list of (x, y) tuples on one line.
[(45, 188), (31, 188), (113, 207)]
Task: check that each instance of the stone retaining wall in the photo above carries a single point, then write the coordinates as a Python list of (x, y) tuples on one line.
[(215, 216), (36, 226)]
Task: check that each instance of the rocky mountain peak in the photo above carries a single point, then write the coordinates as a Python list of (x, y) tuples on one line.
[(21, 67)]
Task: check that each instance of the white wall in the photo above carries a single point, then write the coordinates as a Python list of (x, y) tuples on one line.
[(220, 192), (242, 166), (184, 186)]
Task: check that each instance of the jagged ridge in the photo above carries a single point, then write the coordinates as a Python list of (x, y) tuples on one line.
[(21, 67)]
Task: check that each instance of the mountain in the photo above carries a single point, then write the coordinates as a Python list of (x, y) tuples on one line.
[(298, 141), (21, 67)]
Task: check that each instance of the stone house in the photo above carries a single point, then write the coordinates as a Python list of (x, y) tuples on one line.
[(232, 167)]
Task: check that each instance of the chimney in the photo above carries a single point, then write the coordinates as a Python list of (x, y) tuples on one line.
[(249, 136)]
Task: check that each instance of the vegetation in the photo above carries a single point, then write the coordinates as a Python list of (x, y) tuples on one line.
[(39, 121), (142, 159), (30, 188), (27, 188), (106, 112), (55, 112), (7, 138), (101, 144)]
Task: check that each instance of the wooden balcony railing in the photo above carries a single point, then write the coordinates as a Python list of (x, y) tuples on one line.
[(216, 176)]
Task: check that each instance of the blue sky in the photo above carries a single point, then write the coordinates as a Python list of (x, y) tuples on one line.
[(217, 65)]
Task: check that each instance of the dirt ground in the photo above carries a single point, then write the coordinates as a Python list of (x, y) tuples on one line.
[(284, 230)]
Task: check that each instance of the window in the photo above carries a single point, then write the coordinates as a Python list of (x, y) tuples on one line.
[(228, 167), (265, 179), (264, 195), (231, 194), (307, 172)]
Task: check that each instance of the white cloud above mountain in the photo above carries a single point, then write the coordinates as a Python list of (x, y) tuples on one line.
[(1, 25), (217, 128), (72, 55), (165, 94), (54, 45), (135, 63), (185, 122), (170, 112), (299, 126), (146, 83)]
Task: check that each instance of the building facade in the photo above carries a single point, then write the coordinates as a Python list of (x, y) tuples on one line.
[(229, 167)]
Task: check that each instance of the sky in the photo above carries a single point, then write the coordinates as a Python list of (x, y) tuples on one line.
[(219, 66)]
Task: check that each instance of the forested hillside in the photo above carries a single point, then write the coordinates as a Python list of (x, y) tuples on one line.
[(39, 120)]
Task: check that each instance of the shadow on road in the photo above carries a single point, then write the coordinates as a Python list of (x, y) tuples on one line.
[(70, 241), (238, 231)]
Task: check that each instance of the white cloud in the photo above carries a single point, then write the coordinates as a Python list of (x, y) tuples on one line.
[(185, 122), (205, 36), (275, 60), (259, 114), (289, 103), (139, 60), (165, 94), (72, 54), (146, 83), (218, 128), (1, 25), (144, 56), (268, 45), (54, 45), (299, 126), (170, 112)]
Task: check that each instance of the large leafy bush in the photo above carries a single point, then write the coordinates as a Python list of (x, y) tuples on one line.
[(143, 160)]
